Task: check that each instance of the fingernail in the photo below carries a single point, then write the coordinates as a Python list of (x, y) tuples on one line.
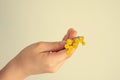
[(74, 34)]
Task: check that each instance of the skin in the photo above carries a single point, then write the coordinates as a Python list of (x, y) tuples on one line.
[(37, 58)]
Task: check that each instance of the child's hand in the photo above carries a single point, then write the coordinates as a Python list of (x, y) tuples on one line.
[(41, 57)]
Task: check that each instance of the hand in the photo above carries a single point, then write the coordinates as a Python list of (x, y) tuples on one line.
[(38, 58)]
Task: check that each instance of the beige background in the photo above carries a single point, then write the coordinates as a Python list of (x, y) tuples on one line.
[(23, 22)]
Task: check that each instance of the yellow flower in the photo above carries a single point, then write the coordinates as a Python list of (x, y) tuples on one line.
[(76, 39), (66, 46), (69, 50), (83, 43), (69, 41), (81, 39), (73, 43)]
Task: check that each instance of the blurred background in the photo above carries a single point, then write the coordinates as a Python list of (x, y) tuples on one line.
[(23, 22)]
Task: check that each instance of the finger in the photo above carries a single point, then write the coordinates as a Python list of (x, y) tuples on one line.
[(61, 55), (52, 46), (67, 35), (70, 34), (73, 33)]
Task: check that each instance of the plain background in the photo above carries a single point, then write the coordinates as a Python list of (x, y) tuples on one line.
[(23, 22)]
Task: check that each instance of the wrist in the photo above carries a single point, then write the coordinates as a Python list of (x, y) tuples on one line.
[(12, 71)]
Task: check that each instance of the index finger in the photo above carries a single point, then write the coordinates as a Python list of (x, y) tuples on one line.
[(71, 33)]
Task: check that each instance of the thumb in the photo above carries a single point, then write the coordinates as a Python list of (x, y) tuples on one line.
[(61, 55), (52, 46)]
